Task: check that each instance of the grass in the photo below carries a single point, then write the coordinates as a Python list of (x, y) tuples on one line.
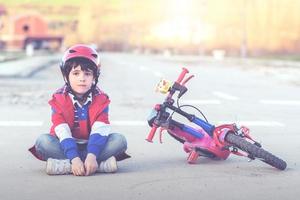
[(11, 55)]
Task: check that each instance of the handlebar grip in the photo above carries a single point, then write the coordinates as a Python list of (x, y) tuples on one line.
[(152, 133), (182, 74)]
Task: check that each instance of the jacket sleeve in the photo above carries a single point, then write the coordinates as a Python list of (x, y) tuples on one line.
[(64, 134), (99, 133)]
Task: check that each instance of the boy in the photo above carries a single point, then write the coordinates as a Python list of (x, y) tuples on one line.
[(80, 141)]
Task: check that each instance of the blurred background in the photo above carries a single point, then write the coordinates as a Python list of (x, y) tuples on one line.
[(239, 28), (245, 57)]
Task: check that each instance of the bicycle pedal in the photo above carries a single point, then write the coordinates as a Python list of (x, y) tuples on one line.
[(192, 157)]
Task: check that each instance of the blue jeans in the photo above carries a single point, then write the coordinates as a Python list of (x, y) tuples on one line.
[(48, 146)]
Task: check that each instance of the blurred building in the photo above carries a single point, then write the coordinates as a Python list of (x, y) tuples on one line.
[(2, 10), (17, 32)]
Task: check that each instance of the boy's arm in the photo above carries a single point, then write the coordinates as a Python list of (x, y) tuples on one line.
[(99, 132), (64, 134)]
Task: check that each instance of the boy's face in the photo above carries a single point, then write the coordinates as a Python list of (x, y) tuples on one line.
[(80, 81)]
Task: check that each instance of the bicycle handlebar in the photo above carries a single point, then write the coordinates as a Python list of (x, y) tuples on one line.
[(152, 133), (179, 80), (182, 75)]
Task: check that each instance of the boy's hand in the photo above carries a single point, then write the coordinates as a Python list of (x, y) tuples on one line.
[(90, 164), (77, 167)]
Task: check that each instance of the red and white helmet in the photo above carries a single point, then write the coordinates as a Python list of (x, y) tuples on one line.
[(81, 51)]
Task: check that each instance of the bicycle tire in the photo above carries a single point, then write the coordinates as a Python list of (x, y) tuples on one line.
[(255, 151)]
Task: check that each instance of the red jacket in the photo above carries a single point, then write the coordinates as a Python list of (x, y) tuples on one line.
[(64, 113), (64, 109)]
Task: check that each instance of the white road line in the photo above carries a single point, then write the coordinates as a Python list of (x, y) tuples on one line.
[(246, 123), (225, 96), (40, 123), (255, 123), (141, 123), (155, 73), (281, 102), (129, 123), (143, 68), (201, 102), (158, 74), (20, 123)]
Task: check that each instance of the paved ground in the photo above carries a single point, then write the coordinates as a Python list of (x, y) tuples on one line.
[(266, 99)]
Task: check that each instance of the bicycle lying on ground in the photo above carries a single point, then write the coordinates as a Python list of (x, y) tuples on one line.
[(205, 139)]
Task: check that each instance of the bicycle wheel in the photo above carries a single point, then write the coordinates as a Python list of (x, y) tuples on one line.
[(255, 151)]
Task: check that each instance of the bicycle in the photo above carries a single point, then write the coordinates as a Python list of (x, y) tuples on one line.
[(206, 140)]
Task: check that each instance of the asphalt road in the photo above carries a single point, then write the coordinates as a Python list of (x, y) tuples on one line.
[(266, 99)]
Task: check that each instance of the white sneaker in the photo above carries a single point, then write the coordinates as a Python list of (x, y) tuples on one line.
[(108, 166), (58, 167), (61, 167)]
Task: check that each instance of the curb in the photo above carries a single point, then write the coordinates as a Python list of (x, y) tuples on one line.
[(28, 67)]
